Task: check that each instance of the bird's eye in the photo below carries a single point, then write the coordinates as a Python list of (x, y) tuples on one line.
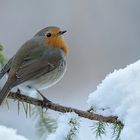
[(48, 34)]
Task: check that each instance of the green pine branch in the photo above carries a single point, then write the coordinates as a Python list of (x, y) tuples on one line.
[(99, 129), (3, 59), (116, 131), (45, 123), (75, 125)]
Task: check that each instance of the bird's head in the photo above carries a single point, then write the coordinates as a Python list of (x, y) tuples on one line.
[(53, 36)]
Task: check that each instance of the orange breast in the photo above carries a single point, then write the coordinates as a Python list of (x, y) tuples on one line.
[(57, 42)]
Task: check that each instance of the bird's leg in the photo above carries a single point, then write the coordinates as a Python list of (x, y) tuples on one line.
[(45, 100)]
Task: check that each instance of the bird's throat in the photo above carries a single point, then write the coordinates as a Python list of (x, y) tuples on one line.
[(57, 42)]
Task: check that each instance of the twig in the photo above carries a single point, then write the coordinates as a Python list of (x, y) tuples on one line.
[(64, 109)]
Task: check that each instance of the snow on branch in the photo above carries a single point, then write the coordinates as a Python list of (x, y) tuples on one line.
[(119, 95), (68, 125), (64, 109)]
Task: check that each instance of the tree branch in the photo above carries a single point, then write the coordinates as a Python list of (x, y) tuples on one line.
[(64, 109)]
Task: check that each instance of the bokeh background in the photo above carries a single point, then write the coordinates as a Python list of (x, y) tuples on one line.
[(103, 35)]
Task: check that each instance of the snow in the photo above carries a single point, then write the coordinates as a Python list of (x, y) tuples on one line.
[(64, 127), (119, 95), (9, 134)]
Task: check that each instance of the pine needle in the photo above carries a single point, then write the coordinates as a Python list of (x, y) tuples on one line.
[(116, 131), (75, 125), (45, 124), (99, 129)]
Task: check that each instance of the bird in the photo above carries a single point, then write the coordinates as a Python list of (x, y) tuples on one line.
[(39, 63)]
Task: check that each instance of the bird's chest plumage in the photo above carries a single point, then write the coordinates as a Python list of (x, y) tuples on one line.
[(48, 79)]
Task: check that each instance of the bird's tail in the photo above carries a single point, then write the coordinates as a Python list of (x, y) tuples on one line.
[(4, 92)]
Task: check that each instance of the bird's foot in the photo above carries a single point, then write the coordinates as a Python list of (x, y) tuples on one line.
[(45, 100)]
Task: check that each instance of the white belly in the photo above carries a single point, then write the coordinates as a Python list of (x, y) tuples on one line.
[(47, 80)]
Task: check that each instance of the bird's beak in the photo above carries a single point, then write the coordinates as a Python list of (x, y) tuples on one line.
[(61, 32)]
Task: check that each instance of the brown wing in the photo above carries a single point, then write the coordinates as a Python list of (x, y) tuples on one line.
[(35, 68)]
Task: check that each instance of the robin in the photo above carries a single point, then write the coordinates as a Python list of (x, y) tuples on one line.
[(39, 63)]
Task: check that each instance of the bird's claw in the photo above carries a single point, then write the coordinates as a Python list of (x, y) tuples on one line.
[(45, 100)]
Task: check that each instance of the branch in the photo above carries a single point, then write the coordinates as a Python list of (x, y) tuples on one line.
[(64, 109)]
